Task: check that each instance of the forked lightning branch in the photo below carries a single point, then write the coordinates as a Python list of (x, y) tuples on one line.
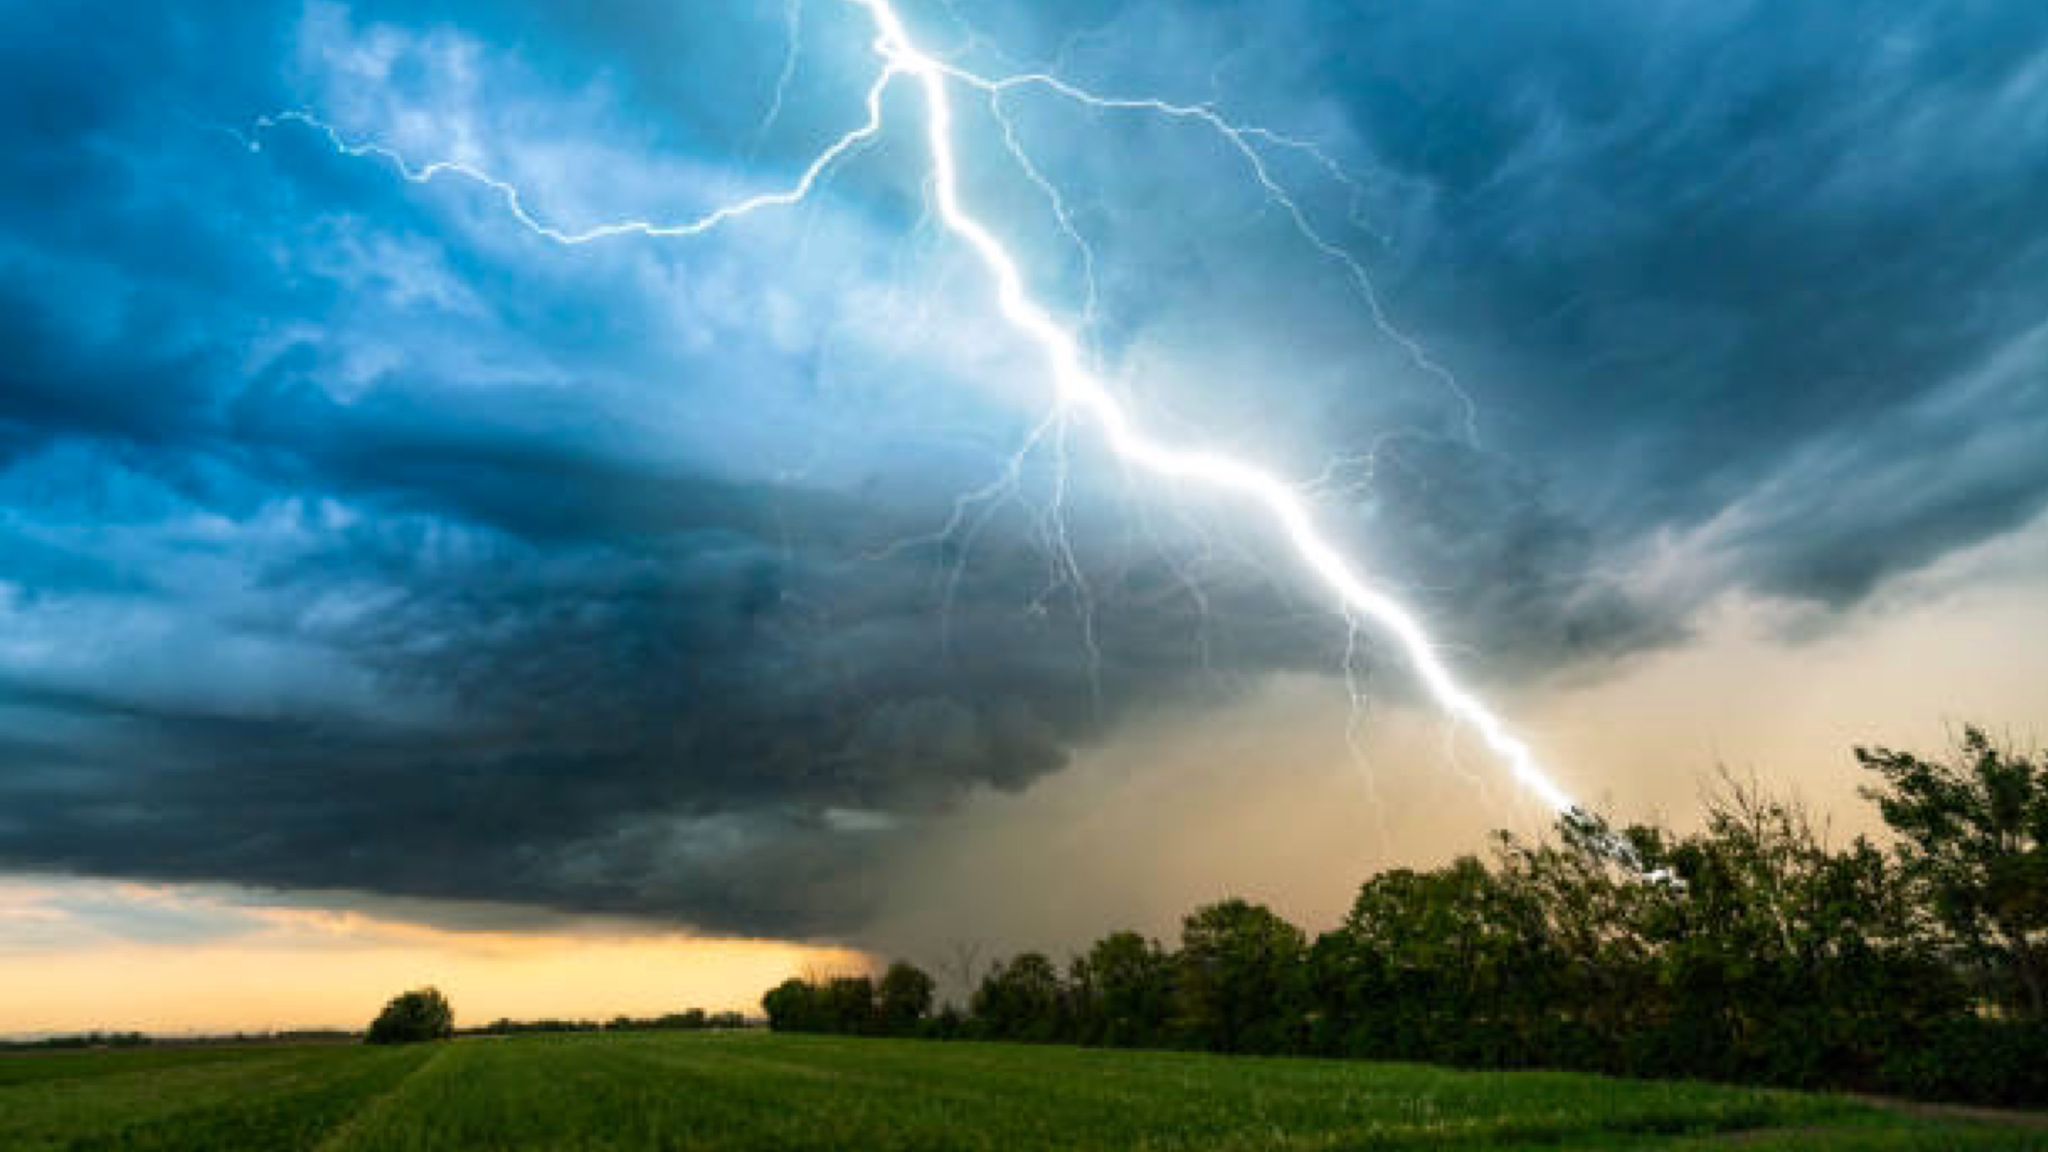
[(1076, 391)]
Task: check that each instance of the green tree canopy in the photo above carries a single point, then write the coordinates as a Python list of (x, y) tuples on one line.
[(1973, 835), (412, 1017), (1021, 999), (792, 1006), (1123, 991), (904, 998), (1241, 979)]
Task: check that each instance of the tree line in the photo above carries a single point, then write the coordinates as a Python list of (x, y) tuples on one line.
[(1752, 950), (424, 1015), (688, 1020)]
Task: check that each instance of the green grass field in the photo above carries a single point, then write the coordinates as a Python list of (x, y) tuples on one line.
[(757, 1091)]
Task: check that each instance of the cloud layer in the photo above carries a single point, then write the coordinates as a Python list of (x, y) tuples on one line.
[(353, 538)]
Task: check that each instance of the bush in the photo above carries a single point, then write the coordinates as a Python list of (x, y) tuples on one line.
[(414, 1017), (1974, 1059)]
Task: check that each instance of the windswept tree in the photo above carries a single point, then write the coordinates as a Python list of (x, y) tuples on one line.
[(413, 1017), (1973, 835), (1787, 959), (1600, 890)]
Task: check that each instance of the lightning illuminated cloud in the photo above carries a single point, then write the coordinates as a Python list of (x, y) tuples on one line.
[(1078, 391)]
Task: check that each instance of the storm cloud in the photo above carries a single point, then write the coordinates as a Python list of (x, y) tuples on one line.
[(352, 538)]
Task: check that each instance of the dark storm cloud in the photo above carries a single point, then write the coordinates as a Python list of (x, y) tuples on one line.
[(1672, 247), (351, 539), (1715, 242)]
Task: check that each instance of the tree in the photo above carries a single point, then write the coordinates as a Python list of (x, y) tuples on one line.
[(903, 999), (792, 1006), (420, 1015), (1241, 985), (1786, 960), (1974, 838), (1122, 991), (1452, 963), (1020, 1000), (1600, 890), (847, 1005)]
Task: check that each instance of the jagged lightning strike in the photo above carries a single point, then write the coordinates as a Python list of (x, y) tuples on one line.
[(1077, 390)]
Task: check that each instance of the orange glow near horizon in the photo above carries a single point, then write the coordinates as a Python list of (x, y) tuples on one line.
[(275, 968)]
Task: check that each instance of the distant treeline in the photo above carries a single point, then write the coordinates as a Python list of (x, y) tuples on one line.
[(145, 1040), (693, 1020), (1751, 951), (82, 1040)]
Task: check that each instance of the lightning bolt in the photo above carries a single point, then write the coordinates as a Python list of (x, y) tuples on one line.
[(1078, 392), (793, 32)]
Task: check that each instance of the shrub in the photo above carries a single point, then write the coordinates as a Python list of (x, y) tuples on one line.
[(414, 1017)]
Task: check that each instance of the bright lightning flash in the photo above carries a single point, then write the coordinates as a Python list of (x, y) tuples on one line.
[(1077, 390)]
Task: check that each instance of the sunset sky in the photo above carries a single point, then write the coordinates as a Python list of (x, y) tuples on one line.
[(390, 595)]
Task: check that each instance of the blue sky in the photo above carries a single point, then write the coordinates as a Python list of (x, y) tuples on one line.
[(354, 539)]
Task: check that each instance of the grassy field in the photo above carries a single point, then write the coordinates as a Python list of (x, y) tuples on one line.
[(756, 1091)]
